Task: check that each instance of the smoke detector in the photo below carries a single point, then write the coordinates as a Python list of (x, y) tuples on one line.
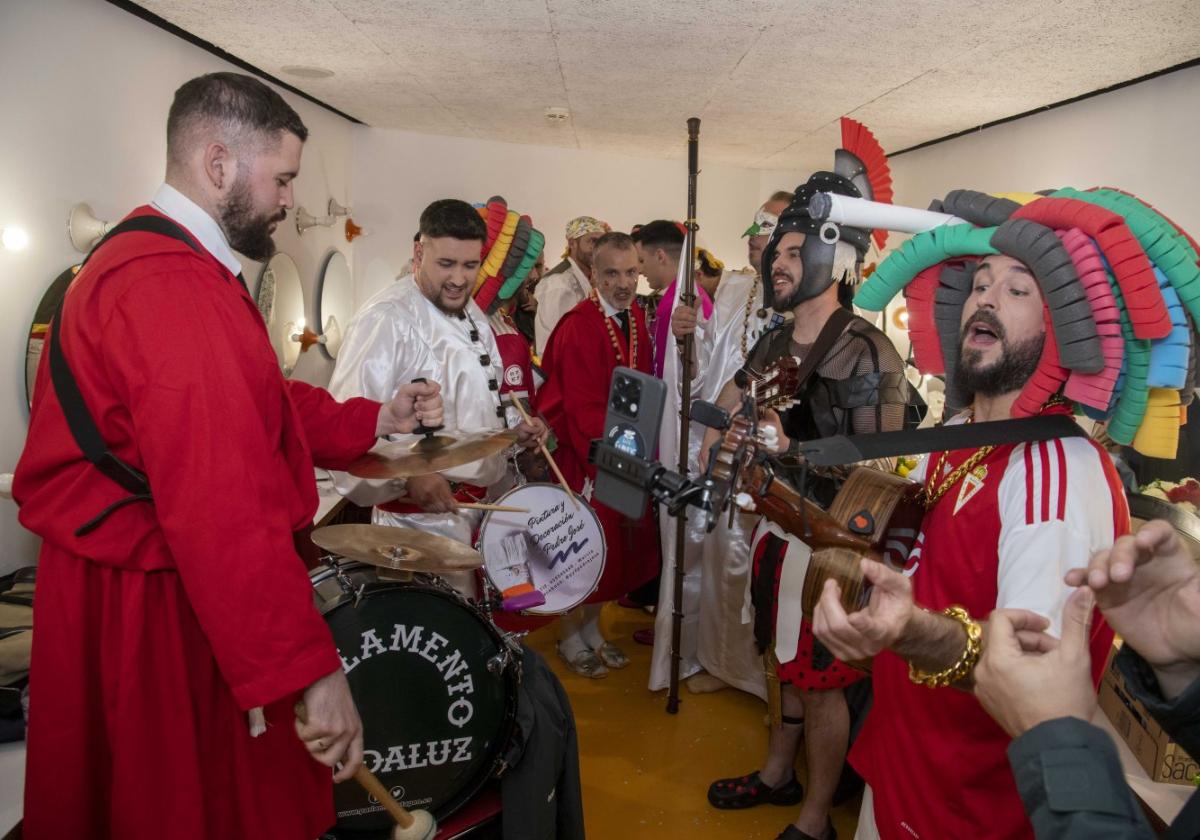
[(557, 114)]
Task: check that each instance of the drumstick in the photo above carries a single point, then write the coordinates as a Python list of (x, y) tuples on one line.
[(410, 825), (549, 458)]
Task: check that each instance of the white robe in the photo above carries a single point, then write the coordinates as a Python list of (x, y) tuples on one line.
[(400, 335), (718, 629), (557, 293)]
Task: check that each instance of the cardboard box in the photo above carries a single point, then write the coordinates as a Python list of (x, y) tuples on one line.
[(1162, 759)]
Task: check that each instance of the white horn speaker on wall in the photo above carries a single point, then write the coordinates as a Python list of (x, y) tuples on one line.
[(84, 228)]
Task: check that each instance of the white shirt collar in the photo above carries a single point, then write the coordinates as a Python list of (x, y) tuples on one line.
[(609, 309), (171, 202)]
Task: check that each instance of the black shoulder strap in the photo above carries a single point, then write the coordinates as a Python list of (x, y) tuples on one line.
[(79, 419), (847, 449), (835, 325)]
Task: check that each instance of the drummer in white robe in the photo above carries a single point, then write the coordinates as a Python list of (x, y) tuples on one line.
[(718, 630), (427, 325)]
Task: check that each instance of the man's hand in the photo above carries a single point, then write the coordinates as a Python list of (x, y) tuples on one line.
[(431, 493), (533, 434), (862, 634), (684, 320), (1025, 677), (332, 731), (770, 419), (711, 436), (415, 404), (1148, 587)]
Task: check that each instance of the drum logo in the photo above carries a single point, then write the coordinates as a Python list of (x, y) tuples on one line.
[(513, 376), (415, 756), (452, 666)]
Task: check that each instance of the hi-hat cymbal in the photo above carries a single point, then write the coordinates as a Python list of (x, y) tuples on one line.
[(405, 549), (402, 460)]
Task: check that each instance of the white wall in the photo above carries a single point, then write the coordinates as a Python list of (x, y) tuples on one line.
[(398, 173), (1141, 138), (84, 90)]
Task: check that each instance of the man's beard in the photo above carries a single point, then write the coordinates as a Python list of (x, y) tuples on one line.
[(1016, 364), (249, 233), (787, 304)]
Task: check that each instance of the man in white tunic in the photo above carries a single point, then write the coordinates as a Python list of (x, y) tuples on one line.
[(716, 589), (569, 282), (427, 325)]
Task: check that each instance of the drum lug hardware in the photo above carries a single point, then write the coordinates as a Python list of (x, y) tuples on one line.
[(499, 662), (358, 594), (346, 584)]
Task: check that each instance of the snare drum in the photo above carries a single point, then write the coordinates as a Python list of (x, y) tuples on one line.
[(435, 684), (557, 548)]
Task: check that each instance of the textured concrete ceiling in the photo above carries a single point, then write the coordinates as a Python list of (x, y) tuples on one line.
[(769, 78)]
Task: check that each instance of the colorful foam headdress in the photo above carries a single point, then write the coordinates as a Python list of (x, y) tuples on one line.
[(1120, 282), (512, 247), (860, 171)]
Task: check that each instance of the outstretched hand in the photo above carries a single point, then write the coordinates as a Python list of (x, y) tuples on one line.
[(1148, 587), (1025, 676), (864, 633)]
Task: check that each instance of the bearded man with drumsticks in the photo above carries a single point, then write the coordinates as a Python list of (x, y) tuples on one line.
[(428, 325)]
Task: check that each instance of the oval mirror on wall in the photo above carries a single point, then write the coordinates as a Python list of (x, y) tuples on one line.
[(335, 302), (281, 301), (41, 320)]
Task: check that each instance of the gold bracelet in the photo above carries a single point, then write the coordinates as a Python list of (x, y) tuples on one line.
[(961, 669)]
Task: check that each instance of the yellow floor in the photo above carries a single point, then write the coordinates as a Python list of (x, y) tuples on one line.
[(645, 772)]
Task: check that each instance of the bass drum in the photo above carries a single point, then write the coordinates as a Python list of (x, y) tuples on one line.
[(435, 684)]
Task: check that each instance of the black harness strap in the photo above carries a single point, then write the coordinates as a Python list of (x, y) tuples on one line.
[(79, 419)]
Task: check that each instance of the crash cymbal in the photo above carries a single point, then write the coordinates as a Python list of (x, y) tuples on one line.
[(403, 460), (398, 548)]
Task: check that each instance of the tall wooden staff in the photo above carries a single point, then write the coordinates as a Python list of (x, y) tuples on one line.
[(687, 365)]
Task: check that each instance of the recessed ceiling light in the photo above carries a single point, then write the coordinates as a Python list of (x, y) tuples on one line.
[(557, 113), (303, 71)]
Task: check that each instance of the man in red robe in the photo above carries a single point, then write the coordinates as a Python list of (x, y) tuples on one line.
[(600, 333), (160, 628)]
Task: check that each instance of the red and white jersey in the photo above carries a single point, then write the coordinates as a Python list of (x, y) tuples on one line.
[(1001, 537)]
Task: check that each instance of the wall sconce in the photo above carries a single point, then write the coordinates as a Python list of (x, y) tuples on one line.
[(353, 231), (337, 210), (84, 228), (306, 220), (13, 238), (303, 335), (900, 317)]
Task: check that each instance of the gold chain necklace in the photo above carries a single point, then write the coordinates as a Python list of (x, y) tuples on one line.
[(612, 334), (930, 498), (746, 318)]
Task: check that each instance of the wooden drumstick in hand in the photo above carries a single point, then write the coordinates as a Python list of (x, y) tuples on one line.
[(516, 401), (410, 825)]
